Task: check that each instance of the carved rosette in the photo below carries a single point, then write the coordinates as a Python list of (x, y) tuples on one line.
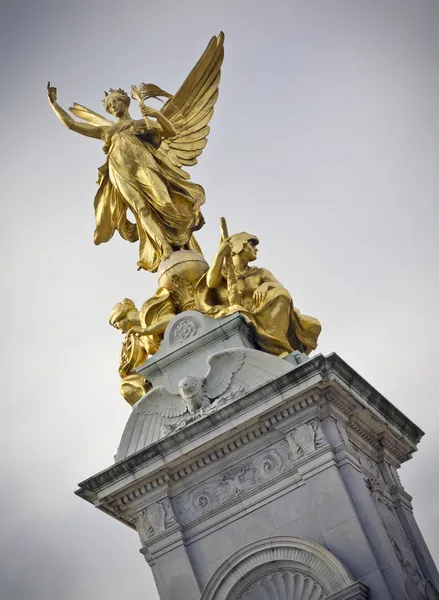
[(183, 330)]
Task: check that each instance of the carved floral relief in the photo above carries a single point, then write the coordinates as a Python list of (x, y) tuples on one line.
[(233, 482)]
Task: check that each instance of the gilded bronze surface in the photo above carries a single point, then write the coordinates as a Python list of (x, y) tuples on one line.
[(134, 351), (145, 158), (144, 173), (280, 328), (230, 285)]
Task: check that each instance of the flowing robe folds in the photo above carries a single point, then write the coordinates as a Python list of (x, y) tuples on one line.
[(137, 177), (279, 327)]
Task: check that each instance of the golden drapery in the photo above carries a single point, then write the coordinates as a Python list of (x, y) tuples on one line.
[(166, 207), (279, 327)]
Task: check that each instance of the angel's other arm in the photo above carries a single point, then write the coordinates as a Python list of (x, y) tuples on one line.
[(166, 128), (82, 128), (86, 129)]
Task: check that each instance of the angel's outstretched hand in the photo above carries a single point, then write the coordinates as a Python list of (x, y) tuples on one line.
[(51, 93)]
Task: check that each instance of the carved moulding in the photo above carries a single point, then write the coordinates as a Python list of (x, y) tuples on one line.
[(277, 562), (233, 482), (396, 444), (121, 503)]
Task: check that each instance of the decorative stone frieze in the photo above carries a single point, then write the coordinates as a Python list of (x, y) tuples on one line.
[(232, 482), (310, 451)]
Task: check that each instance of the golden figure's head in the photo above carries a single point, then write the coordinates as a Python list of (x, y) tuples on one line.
[(244, 244), (119, 314), (116, 102)]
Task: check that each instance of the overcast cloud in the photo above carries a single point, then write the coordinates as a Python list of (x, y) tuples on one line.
[(324, 143)]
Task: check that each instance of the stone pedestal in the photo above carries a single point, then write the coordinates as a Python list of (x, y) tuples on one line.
[(289, 489)]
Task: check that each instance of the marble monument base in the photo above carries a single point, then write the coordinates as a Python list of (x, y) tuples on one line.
[(288, 489)]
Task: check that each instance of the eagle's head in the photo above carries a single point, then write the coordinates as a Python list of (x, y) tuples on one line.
[(189, 386)]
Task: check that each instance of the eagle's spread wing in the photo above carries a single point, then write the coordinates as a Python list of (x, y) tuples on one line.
[(151, 413), (222, 367)]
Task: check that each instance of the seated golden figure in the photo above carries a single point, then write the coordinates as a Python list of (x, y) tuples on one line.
[(231, 285)]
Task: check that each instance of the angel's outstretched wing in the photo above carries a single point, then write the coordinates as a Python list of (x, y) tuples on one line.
[(222, 366), (191, 108), (155, 410), (90, 116)]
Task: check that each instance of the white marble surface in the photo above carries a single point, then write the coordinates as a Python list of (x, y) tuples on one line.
[(310, 453)]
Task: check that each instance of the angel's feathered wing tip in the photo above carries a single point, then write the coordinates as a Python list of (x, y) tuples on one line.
[(219, 39)]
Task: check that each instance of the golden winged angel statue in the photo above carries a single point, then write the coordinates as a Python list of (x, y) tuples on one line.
[(145, 158)]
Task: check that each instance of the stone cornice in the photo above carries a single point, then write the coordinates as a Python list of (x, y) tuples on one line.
[(223, 432), (353, 380), (163, 448)]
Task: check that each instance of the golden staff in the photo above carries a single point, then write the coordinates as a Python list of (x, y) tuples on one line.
[(136, 94), (233, 293), (145, 91)]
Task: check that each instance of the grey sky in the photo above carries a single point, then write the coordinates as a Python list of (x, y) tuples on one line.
[(324, 143)]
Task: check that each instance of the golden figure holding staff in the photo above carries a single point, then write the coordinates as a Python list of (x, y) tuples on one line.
[(145, 159), (231, 285)]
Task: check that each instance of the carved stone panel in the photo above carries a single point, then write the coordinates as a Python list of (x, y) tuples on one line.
[(306, 439), (154, 520), (232, 482), (398, 539)]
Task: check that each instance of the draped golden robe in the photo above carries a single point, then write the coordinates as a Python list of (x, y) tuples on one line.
[(165, 206), (279, 327)]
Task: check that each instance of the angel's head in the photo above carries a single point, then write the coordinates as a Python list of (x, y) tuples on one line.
[(189, 386), (245, 245), (120, 313), (116, 102)]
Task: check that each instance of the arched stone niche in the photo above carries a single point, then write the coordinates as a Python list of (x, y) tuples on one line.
[(283, 568)]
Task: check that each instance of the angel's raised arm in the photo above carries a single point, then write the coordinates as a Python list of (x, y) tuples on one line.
[(91, 129)]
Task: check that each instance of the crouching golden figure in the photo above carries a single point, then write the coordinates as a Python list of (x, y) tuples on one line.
[(135, 350), (231, 285)]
